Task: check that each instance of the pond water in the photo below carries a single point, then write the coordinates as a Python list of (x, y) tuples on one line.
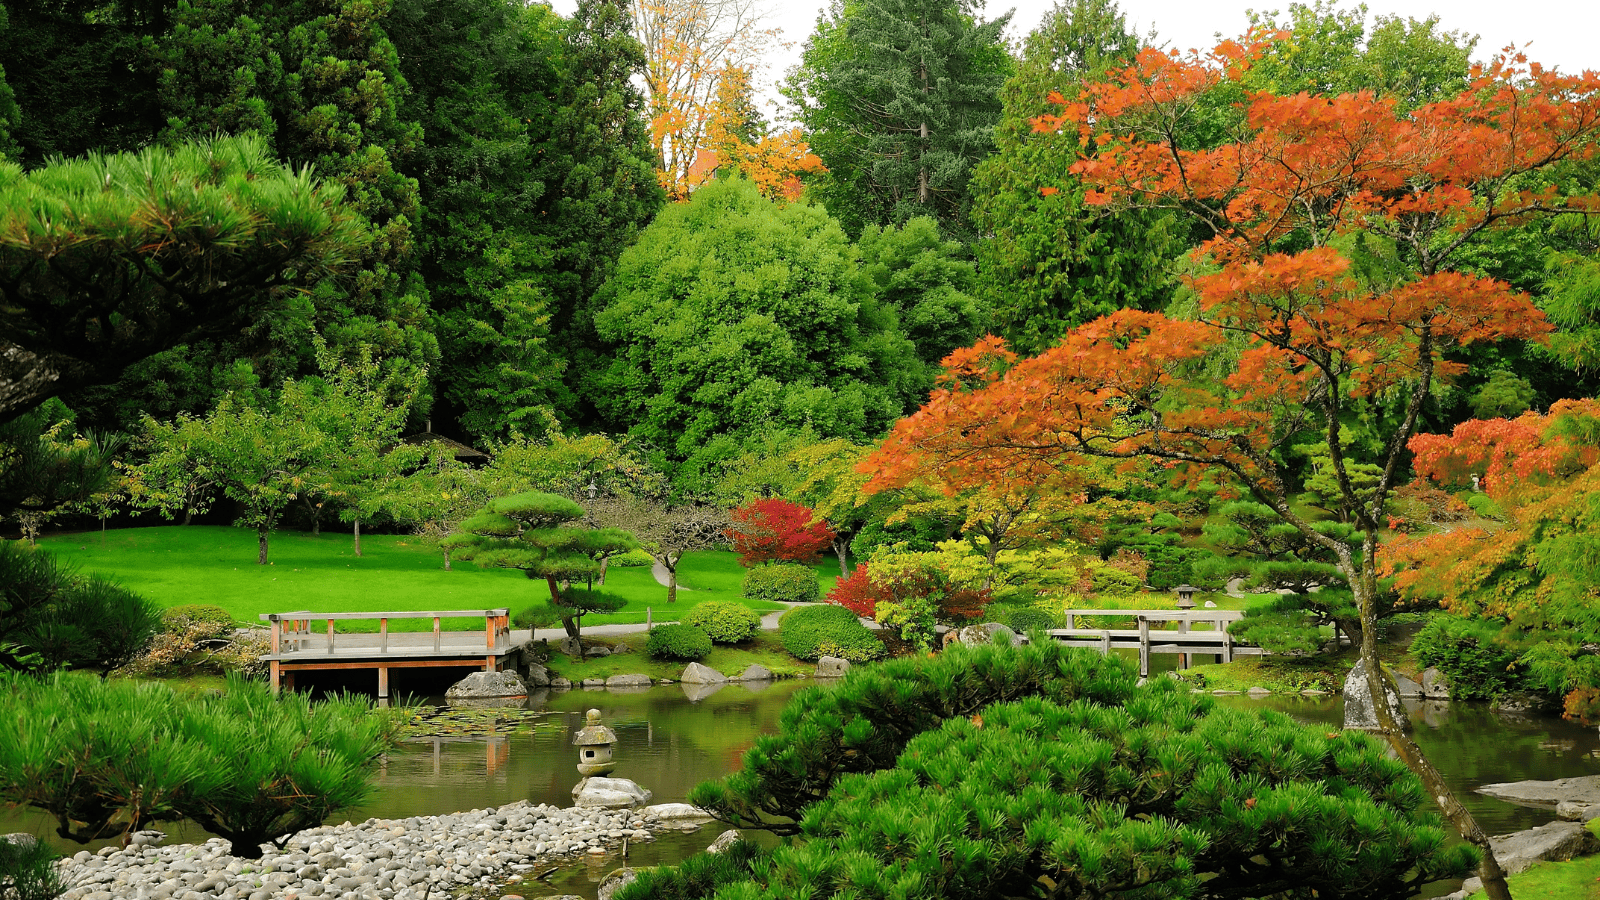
[(671, 738)]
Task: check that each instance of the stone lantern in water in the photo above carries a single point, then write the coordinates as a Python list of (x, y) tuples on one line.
[(595, 743)]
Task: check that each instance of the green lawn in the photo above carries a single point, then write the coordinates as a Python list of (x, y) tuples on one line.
[(216, 566)]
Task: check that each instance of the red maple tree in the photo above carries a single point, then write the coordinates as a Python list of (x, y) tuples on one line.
[(1290, 338), (777, 530)]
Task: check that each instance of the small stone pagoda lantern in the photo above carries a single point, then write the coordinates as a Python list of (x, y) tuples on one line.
[(595, 743), (1186, 596)]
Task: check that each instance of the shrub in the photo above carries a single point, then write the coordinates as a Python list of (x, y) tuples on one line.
[(723, 622), (51, 618), (632, 559), (858, 593), (1114, 582), (1465, 650), (806, 630), (773, 529), (782, 581), (854, 653), (1025, 619), (197, 620), (28, 870), (684, 642)]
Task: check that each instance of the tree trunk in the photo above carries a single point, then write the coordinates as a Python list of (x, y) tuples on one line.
[(570, 623), (446, 559), (603, 563), (188, 515), (358, 537), (315, 512), (672, 583), (261, 546), (1379, 684), (922, 156), (841, 549), (102, 531)]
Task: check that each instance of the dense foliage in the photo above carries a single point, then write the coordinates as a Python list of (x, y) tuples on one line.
[(812, 632), (724, 622), (981, 772), (778, 530), (107, 758), (1466, 651), (53, 618), (680, 641), (787, 582)]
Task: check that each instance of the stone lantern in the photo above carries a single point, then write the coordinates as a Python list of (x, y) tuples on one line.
[(1186, 596), (595, 743)]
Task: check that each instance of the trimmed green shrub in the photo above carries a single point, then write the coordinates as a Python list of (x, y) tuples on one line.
[(724, 622), (807, 630), (1026, 618), (782, 581), (631, 560), (1466, 652), (199, 621), (680, 641)]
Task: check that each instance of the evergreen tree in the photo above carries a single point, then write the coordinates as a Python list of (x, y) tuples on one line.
[(1048, 261), (899, 99)]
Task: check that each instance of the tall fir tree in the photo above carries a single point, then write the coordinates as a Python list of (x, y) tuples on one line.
[(1048, 261), (899, 98)]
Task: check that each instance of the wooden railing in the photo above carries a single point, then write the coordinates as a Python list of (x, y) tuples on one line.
[(496, 627)]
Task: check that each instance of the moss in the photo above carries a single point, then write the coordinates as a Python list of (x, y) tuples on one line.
[(1572, 880)]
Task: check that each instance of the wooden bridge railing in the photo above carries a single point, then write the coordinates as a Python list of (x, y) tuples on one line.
[(496, 627)]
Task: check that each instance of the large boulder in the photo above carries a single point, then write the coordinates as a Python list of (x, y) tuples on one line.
[(1526, 703), (982, 634), (755, 673), (832, 667), (616, 881), (694, 673), (1407, 687), (609, 793), (724, 841), (1552, 842), (1583, 790), (571, 646), (1435, 686), (1359, 712), (536, 675), (675, 812), (483, 685)]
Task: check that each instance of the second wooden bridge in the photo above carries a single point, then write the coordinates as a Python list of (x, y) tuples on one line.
[(1203, 631)]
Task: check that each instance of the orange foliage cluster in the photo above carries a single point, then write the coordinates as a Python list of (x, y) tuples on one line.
[(1510, 455)]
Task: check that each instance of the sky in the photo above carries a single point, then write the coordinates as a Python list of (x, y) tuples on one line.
[(1560, 33)]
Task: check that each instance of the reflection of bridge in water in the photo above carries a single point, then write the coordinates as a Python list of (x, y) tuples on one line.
[(1199, 631), (296, 649)]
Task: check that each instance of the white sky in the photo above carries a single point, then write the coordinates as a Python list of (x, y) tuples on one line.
[(1560, 33)]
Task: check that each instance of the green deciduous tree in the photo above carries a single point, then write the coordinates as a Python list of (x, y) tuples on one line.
[(899, 98), (929, 282), (533, 532), (734, 315), (109, 259), (1048, 260), (988, 772)]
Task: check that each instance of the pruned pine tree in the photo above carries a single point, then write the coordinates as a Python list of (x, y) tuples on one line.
[(536, 533)]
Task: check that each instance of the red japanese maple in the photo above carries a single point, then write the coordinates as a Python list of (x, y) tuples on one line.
[(776, 530)]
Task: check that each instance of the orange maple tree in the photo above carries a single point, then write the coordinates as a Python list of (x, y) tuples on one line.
[(775, 162), (1290, 339)]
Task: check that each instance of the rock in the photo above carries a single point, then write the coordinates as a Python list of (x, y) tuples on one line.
[(1583, 790), (571, 646), (1577, 812), (983, 634), (1407, 687), (668, 811), (724, 841), (20, 839), (536, 675), (1553, 842), (560, 683), (1434, 685), (1211, 604), (479, 685), (597, 650), (1258, 692), (755, 673), (609, 793), (628, 681), (1359, 712), (832, 667), (1525, 703), (616, 881), (594, 682), (694, 673), (147, 838), (698, 692)]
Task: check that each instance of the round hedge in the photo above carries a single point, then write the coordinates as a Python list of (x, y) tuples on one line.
[(788, 582), (807, 630), (208, 621), (1026, 618), (724, 622), (683, 642)]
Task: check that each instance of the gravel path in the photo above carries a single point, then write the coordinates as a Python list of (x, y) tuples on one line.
[(379, 859)]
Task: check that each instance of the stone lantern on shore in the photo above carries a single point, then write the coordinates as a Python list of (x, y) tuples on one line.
[(595, 743), (1186, 594)]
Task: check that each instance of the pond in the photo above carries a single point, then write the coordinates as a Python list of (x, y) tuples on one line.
[(671, 738)]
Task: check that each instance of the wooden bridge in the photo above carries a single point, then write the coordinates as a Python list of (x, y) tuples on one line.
[(1203, 631), (296, 649)]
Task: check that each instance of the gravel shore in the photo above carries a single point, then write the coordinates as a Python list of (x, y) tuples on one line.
[(379, 859)]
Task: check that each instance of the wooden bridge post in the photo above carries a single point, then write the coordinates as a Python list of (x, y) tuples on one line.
[(436, 634), (1183, 658), (1144, 647), (330, 635), (383, 635), (383, 685)]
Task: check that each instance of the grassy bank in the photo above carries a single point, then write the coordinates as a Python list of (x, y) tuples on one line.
[(174, 565), (764, 650)]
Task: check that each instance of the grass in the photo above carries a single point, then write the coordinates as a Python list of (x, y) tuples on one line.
[(1577, 879), (216, 566), (764, 649)]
